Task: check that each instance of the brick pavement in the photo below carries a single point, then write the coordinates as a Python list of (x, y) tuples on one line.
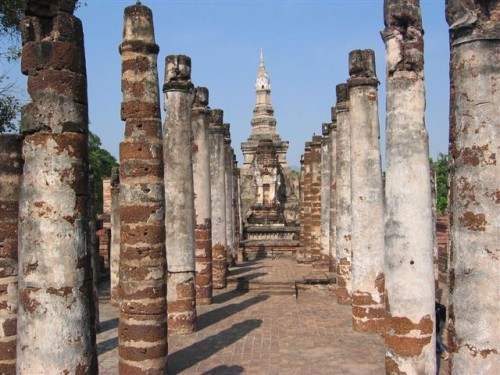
[(252, 333)]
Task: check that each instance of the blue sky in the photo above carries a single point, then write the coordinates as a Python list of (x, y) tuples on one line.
[(306, 46)]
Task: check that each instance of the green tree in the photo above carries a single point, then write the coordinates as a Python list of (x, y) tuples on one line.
[(440, 167), (101, 162)]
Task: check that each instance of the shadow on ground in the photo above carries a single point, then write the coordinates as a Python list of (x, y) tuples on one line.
[(223, 312), (190, 356), (225, 370)]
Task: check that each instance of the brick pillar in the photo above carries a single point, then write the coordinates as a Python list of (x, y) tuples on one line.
[(326, 163), (217, 179), (366, 191), (200, 120), (114, 257), (236, 204), (93, 244), (11, 169), (55, 316), (409, 246), (142, 330), (179, 195), (333, 192), (344, 210), (305, 206), (474, 186), (315, 197), (228, 178)]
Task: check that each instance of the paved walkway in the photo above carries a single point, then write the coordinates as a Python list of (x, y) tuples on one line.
[(256, 333)]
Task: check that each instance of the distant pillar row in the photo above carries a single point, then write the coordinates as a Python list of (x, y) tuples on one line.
[(200, 120), (11, 170), (474, 341), (217, 178), (142, 331), (179, 195), (343, 235), (409, 249), (114, 261), (55, 312), (368, 307)]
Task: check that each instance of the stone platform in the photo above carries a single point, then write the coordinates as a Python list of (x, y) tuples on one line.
[(259, 332)]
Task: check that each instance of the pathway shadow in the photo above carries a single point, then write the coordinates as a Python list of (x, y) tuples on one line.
[(226, 296), (225, 370), (223, 312), (187, 357), (108, 324), (238, 270), (107, 345)]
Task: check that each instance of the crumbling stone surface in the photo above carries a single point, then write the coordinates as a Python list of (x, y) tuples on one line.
[(217, 180), (114, 257), (326, 164), (366, 191), (343, 216), (179, 195), (228, 177), (11, 169), (200, 120), (55, 276), (332, 189), (142, 330), (474, 195), (409, 240)]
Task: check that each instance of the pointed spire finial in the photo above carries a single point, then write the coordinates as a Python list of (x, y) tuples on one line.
[(261, 57)]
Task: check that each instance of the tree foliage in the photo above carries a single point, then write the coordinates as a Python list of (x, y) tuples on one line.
[(101, 162), (440, 167)]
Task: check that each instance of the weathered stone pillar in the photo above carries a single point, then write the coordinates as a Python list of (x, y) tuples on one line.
[(366, 191), (236, 204), (305, 202), (344, 211), (217, 179), (11, 169), (200, 120), (326, 164), (179, 195), (92, 242), (142, 330), (114, 258), (228, 178), (410, 344), (333, 192), (55, 316), (474, 340)]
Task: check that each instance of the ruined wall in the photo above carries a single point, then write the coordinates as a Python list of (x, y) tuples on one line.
[(11, 169)]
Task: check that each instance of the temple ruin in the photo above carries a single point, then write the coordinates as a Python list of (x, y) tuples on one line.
[(192, 241)]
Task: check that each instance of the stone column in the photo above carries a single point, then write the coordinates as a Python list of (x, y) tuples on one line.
[(228, 178), (315, 197), (236, 204), (92, 242), (326, 163), (410, 344), (179, 195), (333, 192), (11, 169), (344, 211), (474, 339), (200, 120), (217, 162), (142, 331), (366, 192), (305, 201), (55, 316), (114, 258)]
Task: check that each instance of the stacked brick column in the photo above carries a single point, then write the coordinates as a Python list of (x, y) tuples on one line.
[(305, 202), (236, 203), (179, 195), (366, 191), (326, 163), (474, 339), (11, 169), (228, 178), (217, 179), (200, 120), (315, 197), (55, 316), (344, 212), (114, 257), (142, 330), (409, 245)]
